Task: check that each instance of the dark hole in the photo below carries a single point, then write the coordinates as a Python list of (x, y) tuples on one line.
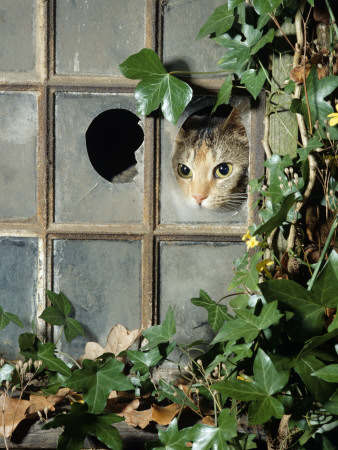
[(112, 139)]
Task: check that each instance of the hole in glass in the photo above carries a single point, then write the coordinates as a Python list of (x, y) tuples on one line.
[(112, 140)]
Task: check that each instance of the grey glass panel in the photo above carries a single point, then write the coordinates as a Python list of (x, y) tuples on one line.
[(81, 194), (17, 35), (18, 275), (18, 145), (185, 269), (175, 207), (94, 37), (182, 22), (102, 279)]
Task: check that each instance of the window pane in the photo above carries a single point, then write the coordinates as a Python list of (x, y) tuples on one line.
[(102, 279), (94, 37), (81, 194), (187, 267), (181, 24), (18, 145), (17, 35), (18, 277)]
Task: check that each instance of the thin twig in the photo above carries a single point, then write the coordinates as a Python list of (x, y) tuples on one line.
[(333, 19), (273, 17)]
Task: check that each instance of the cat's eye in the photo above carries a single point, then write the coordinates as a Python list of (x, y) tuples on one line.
[(223, 170), (184, 171)]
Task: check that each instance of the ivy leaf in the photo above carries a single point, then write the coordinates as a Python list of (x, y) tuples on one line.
[(79, 423), (97, 380), (276, 165), (6, 317), (253, 81), (176, 395), (223, 95), (159, 334), (248, 278), (307, 365), (173, 438), (311, 145), (266, 39), (47, 356), (6, 372), (325, 286), (328, 373), (279, 217), (233, 3), (317, 90), (247, 325), (293, 297), (268, 381), (57, 315), (266, 6), (157, 85), (205, 437), (144, 360), (219, 22), (217, 314)]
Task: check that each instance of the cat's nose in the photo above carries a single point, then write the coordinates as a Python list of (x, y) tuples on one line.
[(199, 198)]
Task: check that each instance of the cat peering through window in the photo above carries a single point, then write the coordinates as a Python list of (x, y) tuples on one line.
[(211, 158)]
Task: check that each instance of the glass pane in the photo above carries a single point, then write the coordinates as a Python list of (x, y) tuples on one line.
[(18, 275), (102, 279), (94, 37), (185, 268), (81, 194), (181, 24), (17, 35), (18, 146), (177, 207)]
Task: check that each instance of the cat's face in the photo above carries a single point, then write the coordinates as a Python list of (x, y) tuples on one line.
[(210, 161)]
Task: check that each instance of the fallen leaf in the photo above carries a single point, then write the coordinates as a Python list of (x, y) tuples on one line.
[(40, 402), (132, 416), (163, 415), (208, 420), (12, 412), (119, 339)]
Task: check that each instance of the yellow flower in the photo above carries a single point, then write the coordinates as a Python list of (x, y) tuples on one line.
[(252, 242), (262, 266), (334, 117), (246, 236)]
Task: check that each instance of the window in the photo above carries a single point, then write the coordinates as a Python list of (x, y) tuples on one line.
[(117, 247)]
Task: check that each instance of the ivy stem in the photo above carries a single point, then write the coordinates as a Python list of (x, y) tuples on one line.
[(333, 19), (322, 256), (59, 336), (74, 361)]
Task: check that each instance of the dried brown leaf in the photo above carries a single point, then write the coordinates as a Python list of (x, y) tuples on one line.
[(119, 339), (208, 420), (12, 412), (163, 415), (132, 416)]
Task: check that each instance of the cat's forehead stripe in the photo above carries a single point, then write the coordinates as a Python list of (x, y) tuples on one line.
[(202, 153)]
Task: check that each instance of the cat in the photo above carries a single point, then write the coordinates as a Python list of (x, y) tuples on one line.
[(210, 161)]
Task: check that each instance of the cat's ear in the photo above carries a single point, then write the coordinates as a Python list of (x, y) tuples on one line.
[(233, 122)]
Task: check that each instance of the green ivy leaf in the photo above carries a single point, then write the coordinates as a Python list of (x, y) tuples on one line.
[(305, 366), (328, 373), (173, 438), (219, 22), (97, 380), (79, 423), (159, 334), (268, 381), (157, 85), (233, 3), (317, 90), (293, 297), (279, 217), (276, 164), (253, 80), (325, 286), (266, 6), (248, 278), (6, 372), (316, 341), (205, 437), (6, 317), (176, 395), (47, 356), (143, 361), (266, 39), (57, 315), (311, 145), (217, 314), (223, 95), (247, 325)]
